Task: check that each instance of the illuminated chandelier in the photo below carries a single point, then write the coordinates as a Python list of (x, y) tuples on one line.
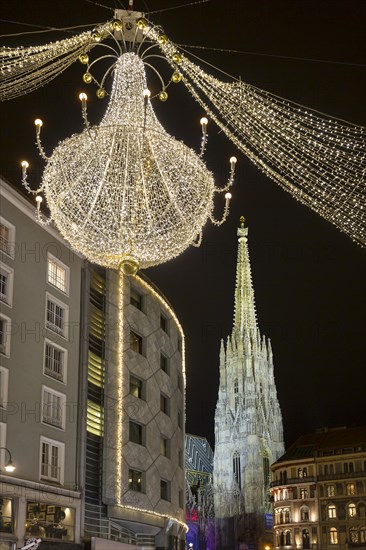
[(320, 161), (125, 193)]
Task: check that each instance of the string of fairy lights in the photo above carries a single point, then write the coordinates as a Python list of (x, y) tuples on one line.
[(320, 161)]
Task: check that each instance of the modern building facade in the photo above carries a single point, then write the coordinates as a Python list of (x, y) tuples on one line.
[(319, 491), (248, 420), (92, 404)]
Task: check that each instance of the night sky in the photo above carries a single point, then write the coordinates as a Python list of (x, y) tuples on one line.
[(309, 278)]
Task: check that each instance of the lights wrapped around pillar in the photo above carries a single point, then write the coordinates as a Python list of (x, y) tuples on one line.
[(125, 193)]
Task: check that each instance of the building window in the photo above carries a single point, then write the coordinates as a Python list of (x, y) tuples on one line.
[(52, 460), (164, 404), (51, 521), (164, 363), (236, 386), (6, 284), (135, 480), (165, 489), (353, 534), (53, 407), (303, 493), (350, 489), (135, 342), (286, 515), (136, 387), (333, 535), (304, 472), (136, 433), (135, 298), (352, 510), (5, 325), (332, 512), (56, 316), (6, 517), (55, 361), (180, 419), (304, 514), (363, 534), (4, 373), (58, 274), (165, 447), (180, 458), (288, 538), (7, 237), (163, 323), (237, 469), (330, 490)]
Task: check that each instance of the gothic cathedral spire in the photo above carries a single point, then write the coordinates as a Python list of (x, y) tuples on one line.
[(248, 420)]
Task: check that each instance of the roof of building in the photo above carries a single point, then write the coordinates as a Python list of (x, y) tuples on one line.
[(325, 441)]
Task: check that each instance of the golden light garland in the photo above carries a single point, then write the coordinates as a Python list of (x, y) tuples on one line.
[(320, 161)]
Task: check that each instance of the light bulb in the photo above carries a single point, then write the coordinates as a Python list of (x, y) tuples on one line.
[(83, 96), (38, 122), (228, 196), (25, 164), (146, 93), (233, 160), (39, 199), (204, 121)]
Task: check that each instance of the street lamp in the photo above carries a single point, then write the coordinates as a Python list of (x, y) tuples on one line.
[(10, 466)]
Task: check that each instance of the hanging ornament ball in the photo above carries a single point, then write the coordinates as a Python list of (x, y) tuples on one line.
[(87, 77), (162, 39), (84, 58), (100, 93), (176, 77), (141, 23), (117, 25), (177, 57), (163, 96), (129, 265)]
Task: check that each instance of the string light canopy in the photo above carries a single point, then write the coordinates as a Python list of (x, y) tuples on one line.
[(320, 161), (125, 193)]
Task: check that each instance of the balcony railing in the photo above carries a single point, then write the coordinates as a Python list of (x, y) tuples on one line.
[(348, 475), (293, 481)]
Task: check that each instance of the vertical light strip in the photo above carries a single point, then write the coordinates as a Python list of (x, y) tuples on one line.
[(120, 349)]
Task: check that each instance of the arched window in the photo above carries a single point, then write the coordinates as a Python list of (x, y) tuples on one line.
[(305, 535), (353, 534), (288, 538), (299, 472), (361, 510), (304, 513), (332, 512), (236, 469), (351, 510), (278, 538), (363, 534), (304, 472), (282, 538), (285, 494), (287, 515), (333, 535)]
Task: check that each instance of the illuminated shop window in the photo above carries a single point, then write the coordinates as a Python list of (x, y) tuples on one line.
[(333, 535), (49, 521)]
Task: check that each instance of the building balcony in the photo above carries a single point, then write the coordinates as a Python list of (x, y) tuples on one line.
[(293, 481), (348, 475)]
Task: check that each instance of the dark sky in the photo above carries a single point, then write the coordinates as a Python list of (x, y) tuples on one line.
[(308, 276)]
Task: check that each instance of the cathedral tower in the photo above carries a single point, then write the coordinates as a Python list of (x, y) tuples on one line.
[(248, 421)]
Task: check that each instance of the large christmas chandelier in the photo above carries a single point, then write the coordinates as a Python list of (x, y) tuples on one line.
[(320, 161), (125, 193)]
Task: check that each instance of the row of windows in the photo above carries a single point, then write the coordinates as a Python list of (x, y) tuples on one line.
[(136, 482), (138, 389), (137, 345), (352, 510), (331, 490), (348, 467), (137, 434)]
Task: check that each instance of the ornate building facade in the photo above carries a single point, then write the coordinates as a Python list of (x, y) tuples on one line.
[(248, 420)]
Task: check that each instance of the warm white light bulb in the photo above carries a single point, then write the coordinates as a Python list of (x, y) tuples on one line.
[(233, 160), (25, 164), (83, 96), (10, 467), (39, 199), (38, 122), (146, 93), (228, 196), (204, 121)]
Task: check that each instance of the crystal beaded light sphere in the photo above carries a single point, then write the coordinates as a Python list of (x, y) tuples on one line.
[(126, 192)]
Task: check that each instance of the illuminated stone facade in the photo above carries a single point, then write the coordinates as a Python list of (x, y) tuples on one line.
[(248, 421), (319, 491)]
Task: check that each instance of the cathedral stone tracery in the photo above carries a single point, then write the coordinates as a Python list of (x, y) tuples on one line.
[(248, 420)]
